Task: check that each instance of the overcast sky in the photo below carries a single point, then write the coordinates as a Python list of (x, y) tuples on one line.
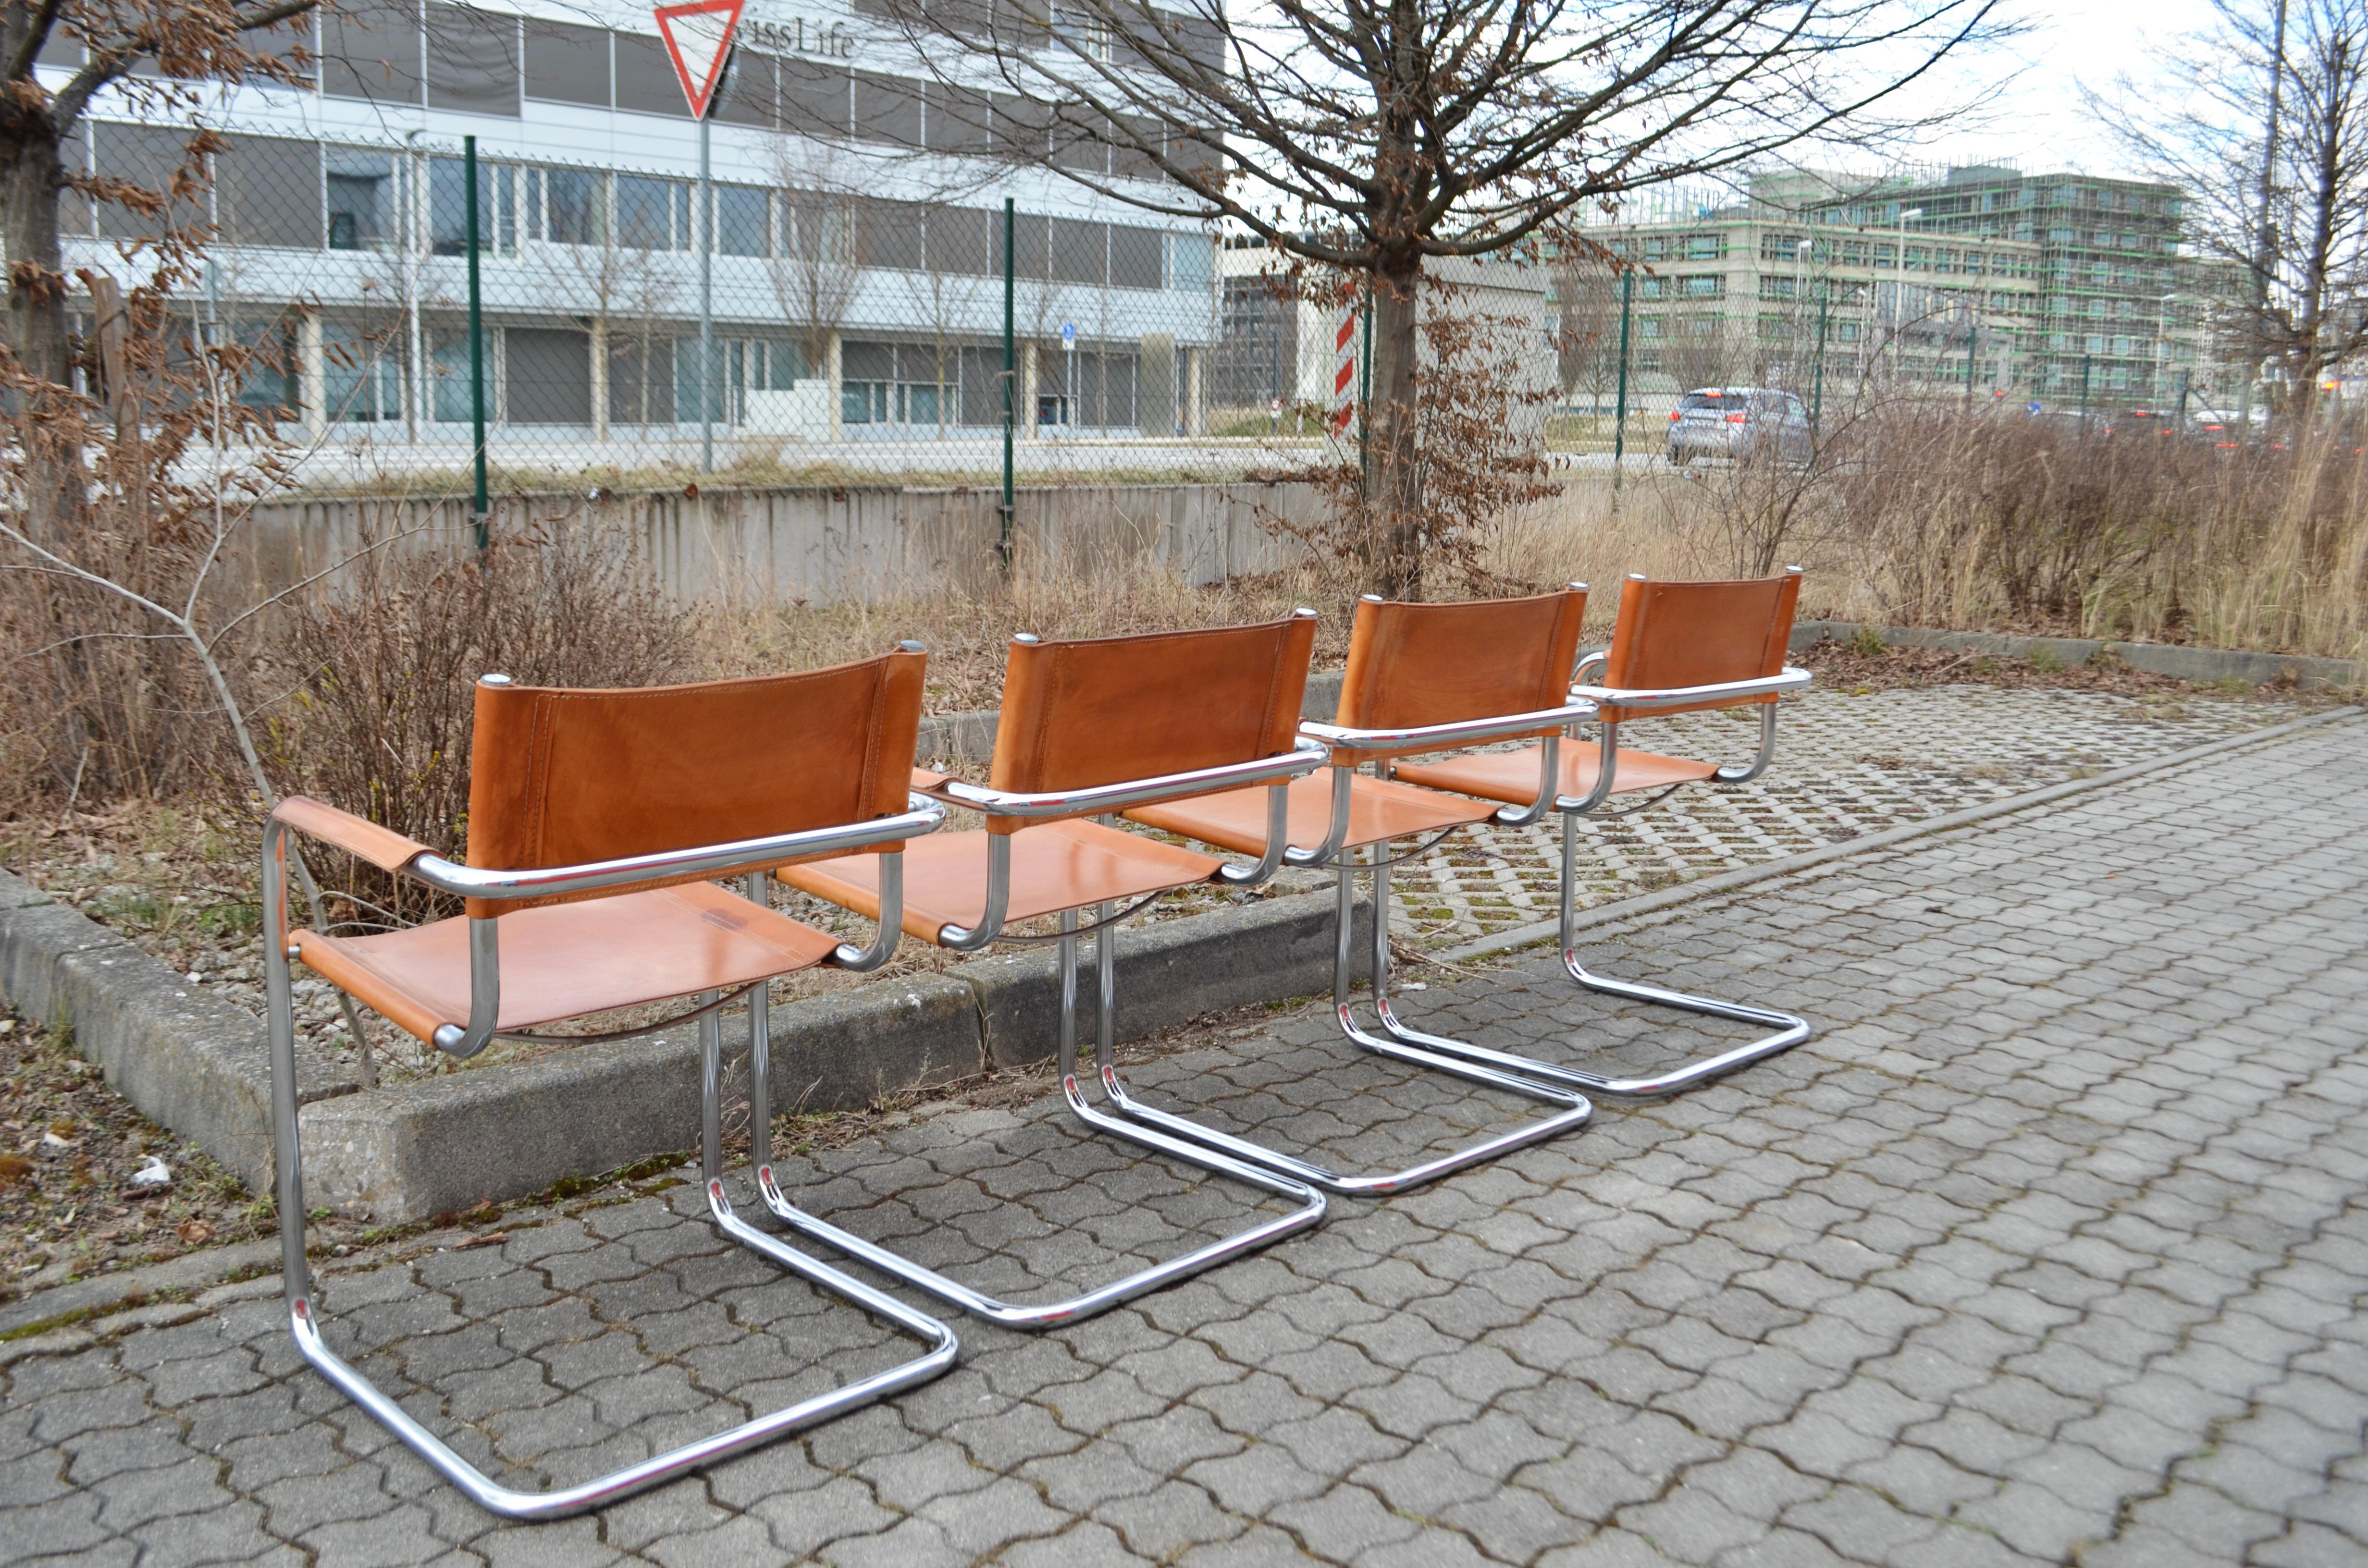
[(2072, 43)]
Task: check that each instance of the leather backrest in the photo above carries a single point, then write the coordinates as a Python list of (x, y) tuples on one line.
[(560, 777), (1674, 634), (1438, 663), (1104, 709)]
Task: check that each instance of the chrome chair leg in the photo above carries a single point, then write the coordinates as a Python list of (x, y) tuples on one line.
[(1053, 1315), (1789, 1028), (1574, 1111), (481, 1489)]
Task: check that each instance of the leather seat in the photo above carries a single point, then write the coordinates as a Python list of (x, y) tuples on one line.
[(1061, 865), (1378, 811), (1512, 776), (565, 959)]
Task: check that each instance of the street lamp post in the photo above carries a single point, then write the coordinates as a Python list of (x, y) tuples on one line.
[(1900, 289)]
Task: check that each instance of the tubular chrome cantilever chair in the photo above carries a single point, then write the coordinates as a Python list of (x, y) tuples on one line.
[(1677, 648), (596, 819), (1089, 727), (1420, 678)]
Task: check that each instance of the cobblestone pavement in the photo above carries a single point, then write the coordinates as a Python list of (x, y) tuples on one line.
[(2048, 1248), (1850, 762)]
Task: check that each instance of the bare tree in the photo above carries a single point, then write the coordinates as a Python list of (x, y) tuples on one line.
[(185, 41), (813, 266), (2263, 117), (1586, 350), (1372, 139)]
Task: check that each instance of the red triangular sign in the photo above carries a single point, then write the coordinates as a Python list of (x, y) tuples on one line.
[(698, 39)]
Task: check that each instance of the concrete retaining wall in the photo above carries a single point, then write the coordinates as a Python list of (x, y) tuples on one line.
[(815, 545)]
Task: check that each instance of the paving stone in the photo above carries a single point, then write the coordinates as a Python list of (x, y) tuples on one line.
[(2045, 1249)]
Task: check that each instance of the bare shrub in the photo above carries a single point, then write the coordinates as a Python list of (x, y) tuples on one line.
[(379, 674), (1477, 446)]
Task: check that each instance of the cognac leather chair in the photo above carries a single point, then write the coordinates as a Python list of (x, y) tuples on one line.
[(1420, 678), (1089, 727), (1675, 648), (598, 821)]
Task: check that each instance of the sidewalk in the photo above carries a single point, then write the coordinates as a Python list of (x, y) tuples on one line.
[(2047, 1249)]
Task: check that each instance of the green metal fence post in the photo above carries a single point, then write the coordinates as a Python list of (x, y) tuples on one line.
[(2084, 394), (1010, 393), (1620, 404), (477, 341)]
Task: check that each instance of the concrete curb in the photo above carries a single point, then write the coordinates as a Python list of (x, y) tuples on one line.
[(1744, 876), (196, 1062), (2175, 660)]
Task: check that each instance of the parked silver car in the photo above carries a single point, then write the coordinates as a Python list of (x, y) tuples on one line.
[(1740, 423)]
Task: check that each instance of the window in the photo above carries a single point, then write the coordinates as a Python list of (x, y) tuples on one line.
[(1649, 327), (646, 80), (1884, 256), (1705, 247), (449, 368), (567, 64), (265, 193), (547, 375), (447, 207), (640, 377), (271, 379), (1708, 287), (2093, 344), (362, 198), (2121, 345), (1134, 256), (1080, 252), (1918, 258), (361, 374), (472, 60), (567, 207), (1654, 288), (1780, 247), (1656, 248), (744, 220), (964, 241), (1777, 288), (652, 214), (1846, 331), (1189, 258)]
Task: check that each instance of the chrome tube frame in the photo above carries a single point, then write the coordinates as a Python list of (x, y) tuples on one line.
[(1442, 737), (304, 1319), (1278, 840), (921, 816), (1791, 679), (1304, 757), (1787, 1029), (1574, 1111), (972, 938), (1053, 1315)]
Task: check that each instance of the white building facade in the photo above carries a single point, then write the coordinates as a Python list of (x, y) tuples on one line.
[(854, 244)]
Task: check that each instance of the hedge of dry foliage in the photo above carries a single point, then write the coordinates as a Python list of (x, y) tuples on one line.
[(1997, 521)]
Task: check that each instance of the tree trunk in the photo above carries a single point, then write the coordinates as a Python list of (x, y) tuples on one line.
[(31, 175), (1393, 477)]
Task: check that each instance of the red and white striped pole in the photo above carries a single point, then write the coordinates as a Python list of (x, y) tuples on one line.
[(1344, 373)]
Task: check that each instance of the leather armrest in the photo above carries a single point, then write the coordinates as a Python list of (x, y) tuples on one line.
[(381, 846)]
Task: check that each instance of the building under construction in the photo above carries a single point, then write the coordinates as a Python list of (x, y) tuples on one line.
[(1981, 282)]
